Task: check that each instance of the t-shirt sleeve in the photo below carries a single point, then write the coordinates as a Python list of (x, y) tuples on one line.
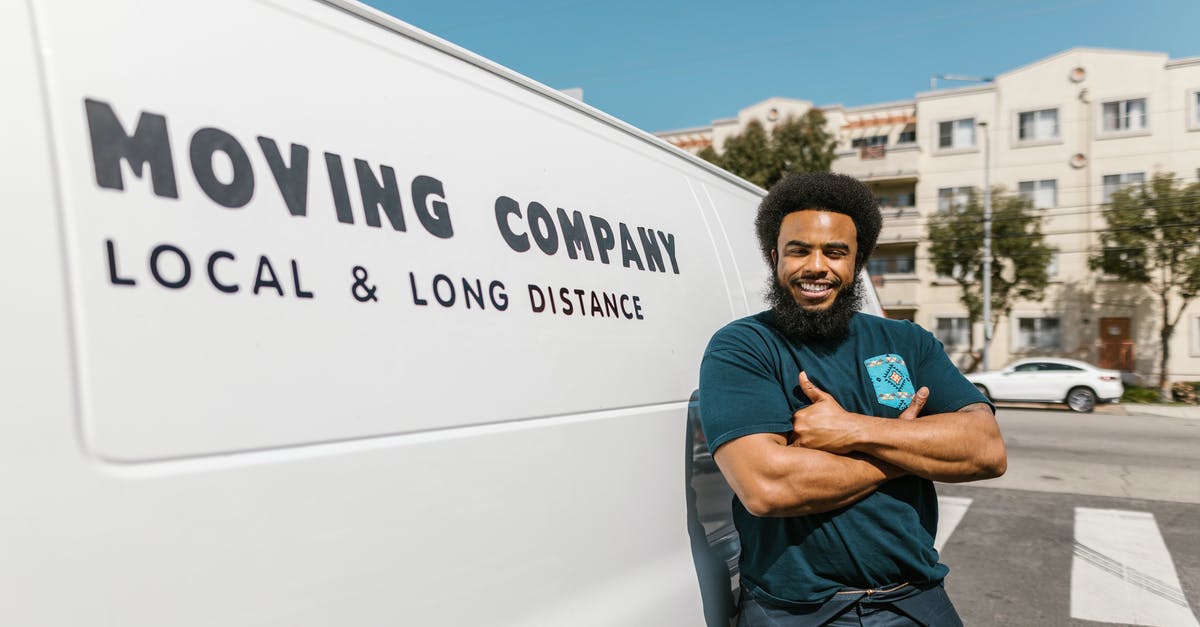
[(949, 390), (739, 392)]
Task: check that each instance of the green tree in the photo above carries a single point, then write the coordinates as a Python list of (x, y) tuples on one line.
[(749, 155), (710, 155), (804, 145), (1153, 239), (794, 145), (1019, 255)]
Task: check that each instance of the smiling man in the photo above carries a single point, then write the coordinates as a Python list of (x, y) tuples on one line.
[(831, 425)]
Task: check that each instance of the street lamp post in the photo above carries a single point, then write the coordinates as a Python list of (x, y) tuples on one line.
[(987, 244)]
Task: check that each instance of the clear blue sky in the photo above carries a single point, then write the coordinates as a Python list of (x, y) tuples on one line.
[(666, 64)]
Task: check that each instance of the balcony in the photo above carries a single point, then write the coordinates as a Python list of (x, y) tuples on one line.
[(897, 291), (879, 163), (872, 152), (901, 224)]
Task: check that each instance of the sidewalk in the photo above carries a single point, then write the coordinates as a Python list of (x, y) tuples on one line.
[(1149, 409)]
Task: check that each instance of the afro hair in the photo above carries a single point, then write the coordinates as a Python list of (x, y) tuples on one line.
[(821, 191)]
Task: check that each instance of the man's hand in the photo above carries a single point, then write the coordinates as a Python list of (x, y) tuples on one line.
[(963, 445), (916, 405), (825, 425)]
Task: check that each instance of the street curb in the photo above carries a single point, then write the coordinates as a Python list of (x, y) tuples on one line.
[(1189, 412), (1147, 408)]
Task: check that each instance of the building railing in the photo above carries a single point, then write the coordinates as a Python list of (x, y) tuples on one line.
[(872, 152), (898, 211)]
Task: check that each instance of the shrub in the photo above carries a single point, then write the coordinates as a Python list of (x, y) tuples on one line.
[(1139, 394), (1184, 392)]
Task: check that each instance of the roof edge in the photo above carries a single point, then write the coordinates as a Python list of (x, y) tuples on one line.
[(1077, 50), (955, 91), (1186, 61)]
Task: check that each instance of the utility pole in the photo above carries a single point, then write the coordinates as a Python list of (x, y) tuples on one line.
[(987, 243)]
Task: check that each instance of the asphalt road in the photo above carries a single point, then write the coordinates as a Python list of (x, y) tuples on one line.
[(1136, 456), (1096, 522)]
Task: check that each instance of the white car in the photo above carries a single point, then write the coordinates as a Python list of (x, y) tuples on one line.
[(1051, 380)]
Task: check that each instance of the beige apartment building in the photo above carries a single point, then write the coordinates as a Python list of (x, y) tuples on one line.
[(1065, 131)]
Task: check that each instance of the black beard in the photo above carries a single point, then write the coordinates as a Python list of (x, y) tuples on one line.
[(827, 326)]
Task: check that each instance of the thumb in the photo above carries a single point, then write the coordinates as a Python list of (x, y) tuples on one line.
[(918, 403), (814, 393)]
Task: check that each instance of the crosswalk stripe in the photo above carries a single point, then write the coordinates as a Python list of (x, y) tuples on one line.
[(950, 512), (1121, 571)]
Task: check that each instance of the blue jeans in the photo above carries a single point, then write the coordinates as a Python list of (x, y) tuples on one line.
[(905, 605)]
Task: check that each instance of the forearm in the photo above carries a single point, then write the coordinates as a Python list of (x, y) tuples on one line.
[(827, 482), (795, 481), (954, 447)]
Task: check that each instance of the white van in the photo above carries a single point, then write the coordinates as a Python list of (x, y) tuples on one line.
[(311, 318)]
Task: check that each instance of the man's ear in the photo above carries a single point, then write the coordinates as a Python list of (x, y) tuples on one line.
[(774, 258)]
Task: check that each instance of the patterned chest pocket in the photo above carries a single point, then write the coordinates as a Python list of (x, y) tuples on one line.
[(889, 376)]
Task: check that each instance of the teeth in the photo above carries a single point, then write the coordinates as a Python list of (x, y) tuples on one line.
[(813, 287)]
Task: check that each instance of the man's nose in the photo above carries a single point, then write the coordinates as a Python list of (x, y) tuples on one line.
[(816, 264)]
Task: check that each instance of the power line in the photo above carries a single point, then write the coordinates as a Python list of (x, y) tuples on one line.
[(1023, 164), (1187, 179), (1025, 236), (1044, 213), (1086, 250), (1099, 211)]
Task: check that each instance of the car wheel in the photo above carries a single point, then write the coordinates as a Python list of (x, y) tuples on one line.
[(1081, 399), (983, 391)]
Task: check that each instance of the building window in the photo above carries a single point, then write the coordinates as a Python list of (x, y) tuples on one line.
[(897, 200), (1038, 333), (1043, 194), (1193, 107), (956, 134), (885, 261), (1195, 333), (1037, 125), (1052, 266), (874, 140), (1114, 182), (954, 333), (953, 198), (1124, 115), (909, 134)]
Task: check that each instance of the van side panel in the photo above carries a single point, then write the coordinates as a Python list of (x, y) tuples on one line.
[(441, 223), (341, 439), (40, 462), (733, 218)]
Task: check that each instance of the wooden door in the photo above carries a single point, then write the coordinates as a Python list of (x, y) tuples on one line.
[(1116, 344)]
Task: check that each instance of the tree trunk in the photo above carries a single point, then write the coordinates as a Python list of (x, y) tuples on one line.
[(975, 355), (1164, 336), (1164, 388)]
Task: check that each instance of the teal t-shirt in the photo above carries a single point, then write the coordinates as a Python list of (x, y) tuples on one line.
[(749, 383)]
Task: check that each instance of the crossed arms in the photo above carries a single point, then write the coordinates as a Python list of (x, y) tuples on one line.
[(833, 457)]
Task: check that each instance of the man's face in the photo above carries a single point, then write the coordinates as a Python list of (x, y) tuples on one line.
[(814, 257)]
